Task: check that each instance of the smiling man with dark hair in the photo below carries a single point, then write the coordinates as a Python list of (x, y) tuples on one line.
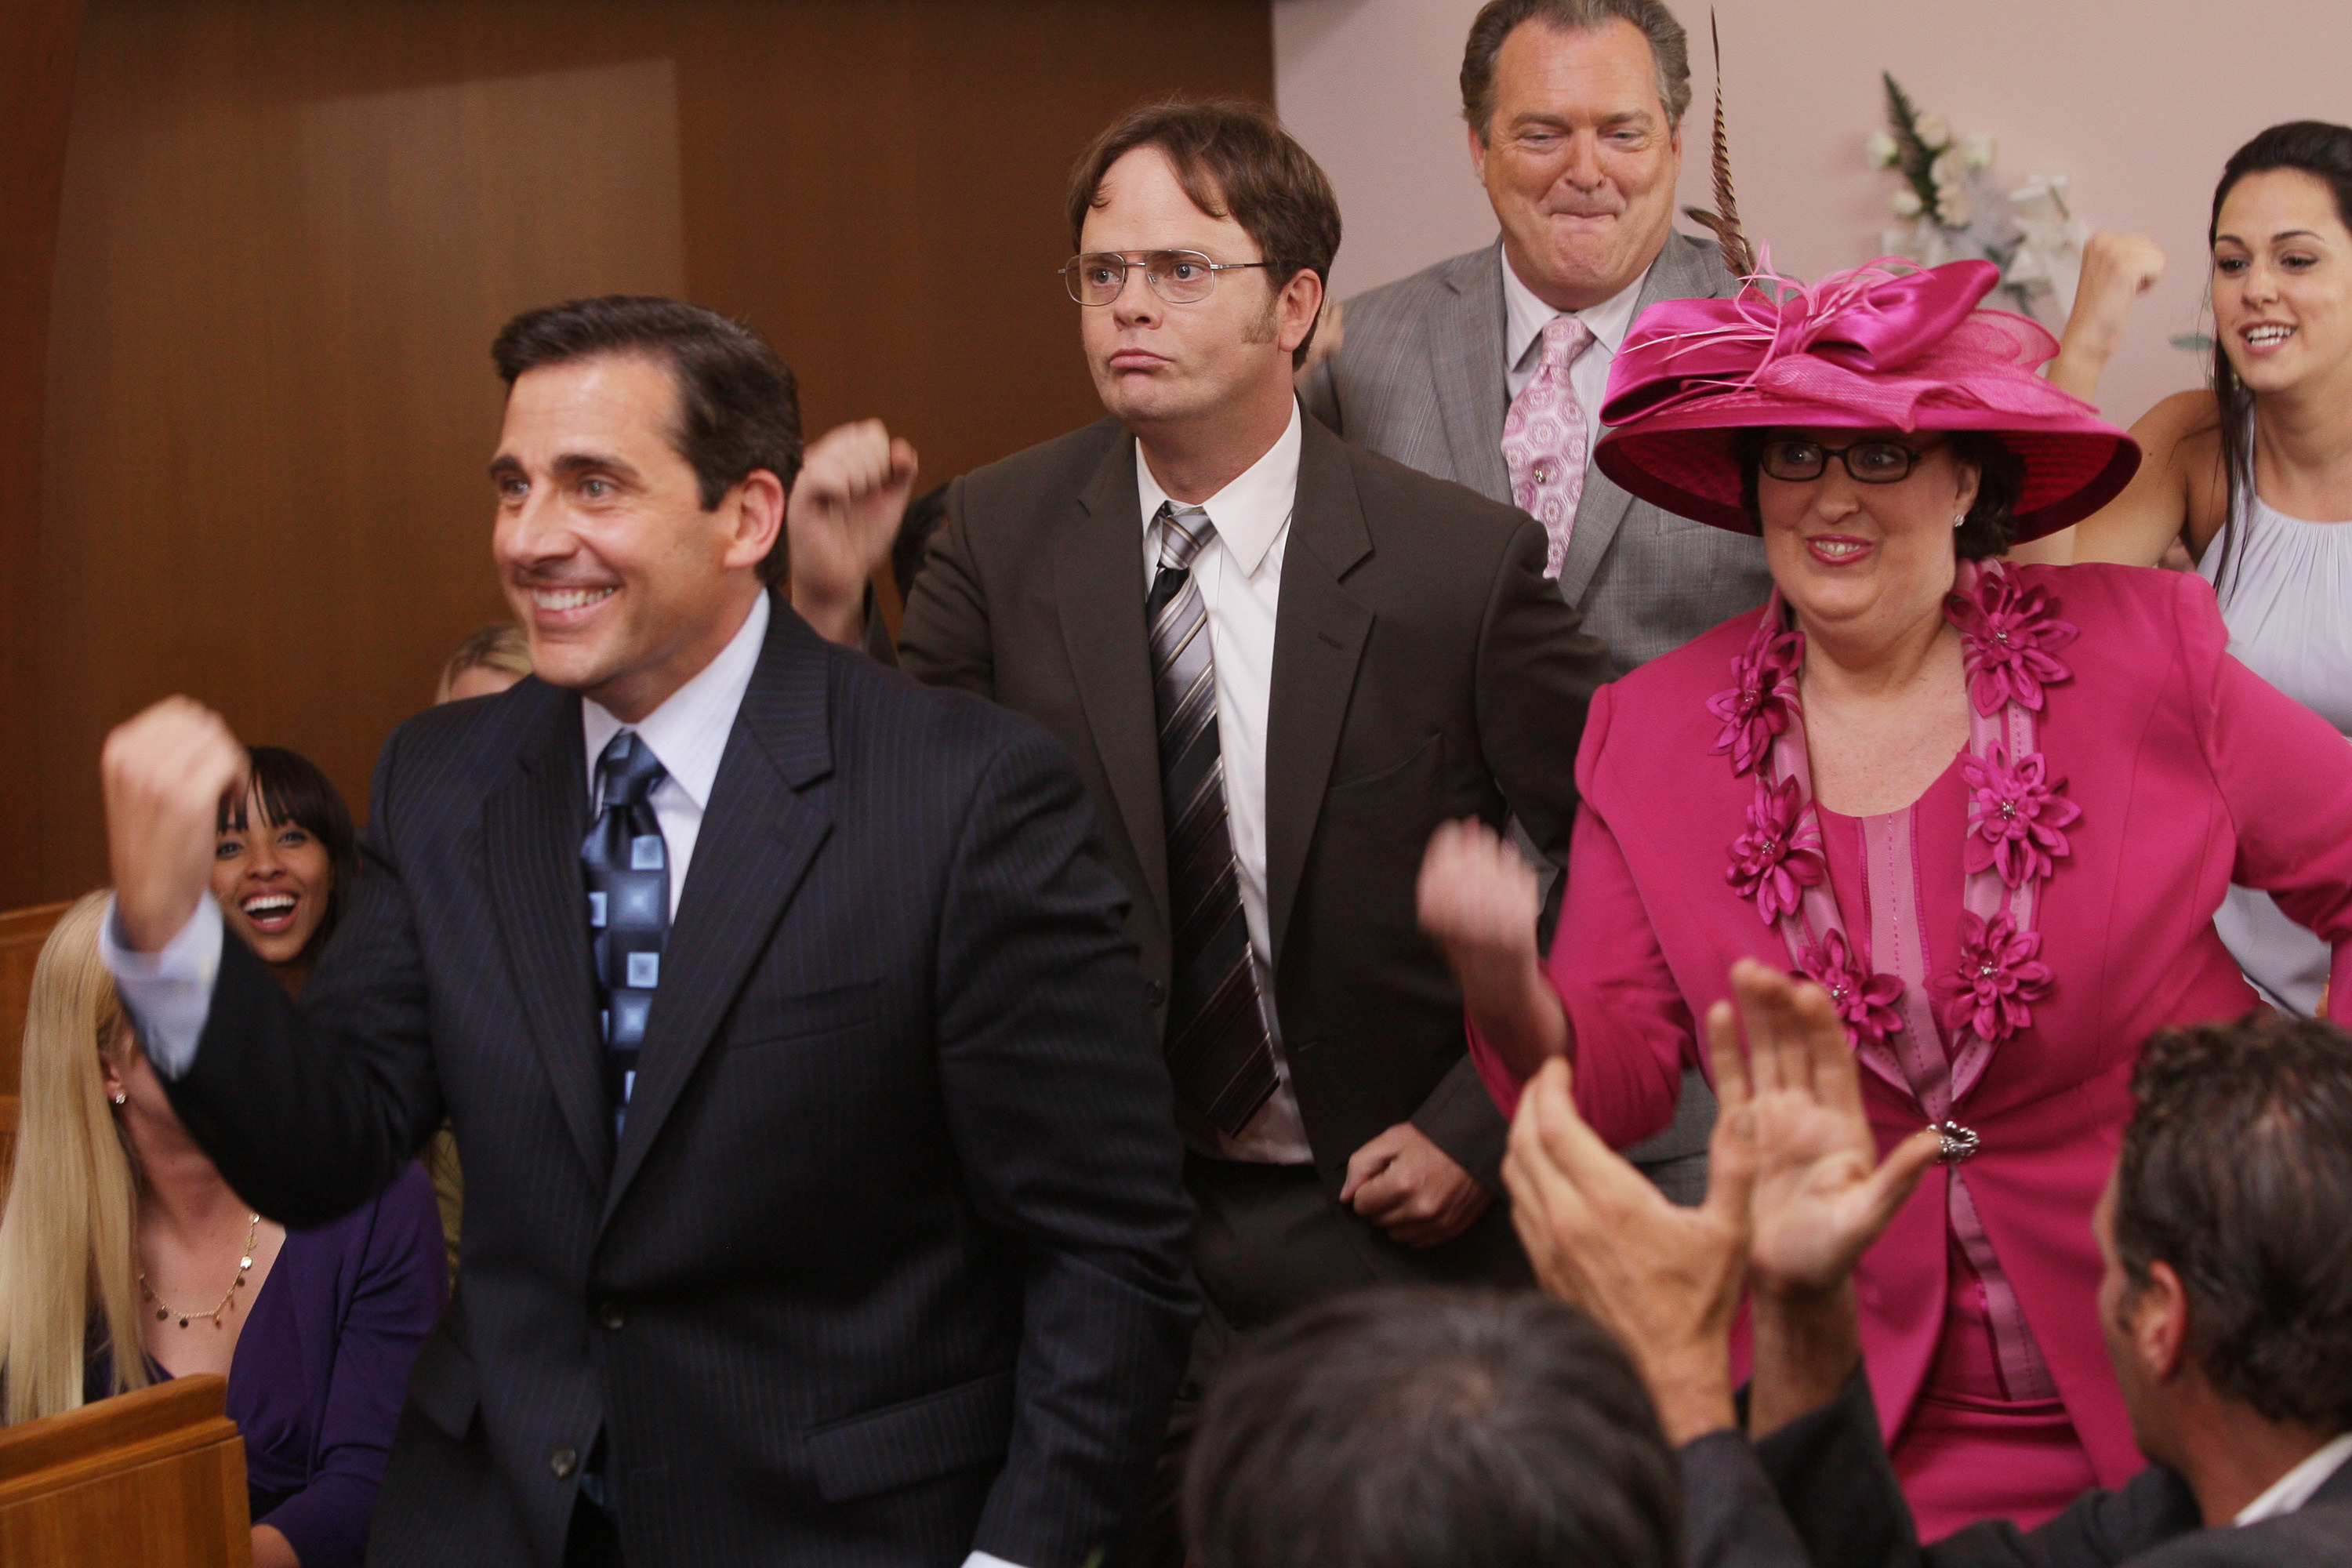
[(2225, 1232), (822, 1201)]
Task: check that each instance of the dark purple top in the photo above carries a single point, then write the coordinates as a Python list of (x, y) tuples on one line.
[(321, 1368)]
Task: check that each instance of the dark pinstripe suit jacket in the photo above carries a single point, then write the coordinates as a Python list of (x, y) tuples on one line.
[(1828, 1471), (887, 1263)]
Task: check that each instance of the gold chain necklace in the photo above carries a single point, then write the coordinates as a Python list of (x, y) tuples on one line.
[(244, 1264)]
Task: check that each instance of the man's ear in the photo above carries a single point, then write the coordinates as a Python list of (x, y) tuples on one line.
[(759, 502), (1300, 302), (1478, 154), (2159, 1324)]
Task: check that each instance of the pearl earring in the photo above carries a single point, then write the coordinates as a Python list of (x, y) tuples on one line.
[(122, 1099), (1960, 519)]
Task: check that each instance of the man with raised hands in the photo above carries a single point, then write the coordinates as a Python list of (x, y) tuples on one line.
[(2227, 1302)]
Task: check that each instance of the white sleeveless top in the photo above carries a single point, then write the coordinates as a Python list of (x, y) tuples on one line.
[(2286, 597)]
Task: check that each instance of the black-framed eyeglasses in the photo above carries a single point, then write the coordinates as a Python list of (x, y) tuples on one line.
[(1178, 277), (1795, 461)]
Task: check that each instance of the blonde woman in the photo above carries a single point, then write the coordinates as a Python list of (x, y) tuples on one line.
[(486, 663), (125, 1259)]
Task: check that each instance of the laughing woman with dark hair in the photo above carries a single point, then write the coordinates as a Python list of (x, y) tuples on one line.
[(2254, 472), (284, 862)]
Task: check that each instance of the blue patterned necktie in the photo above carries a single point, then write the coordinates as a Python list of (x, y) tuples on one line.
[(627, 867)]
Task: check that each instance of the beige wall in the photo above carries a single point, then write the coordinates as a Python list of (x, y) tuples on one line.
[(2138, 100)]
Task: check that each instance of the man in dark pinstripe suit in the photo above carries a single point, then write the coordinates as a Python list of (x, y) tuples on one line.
[(823, 1200)]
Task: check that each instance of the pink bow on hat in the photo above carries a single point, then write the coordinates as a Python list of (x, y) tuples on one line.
[(1840, 341)]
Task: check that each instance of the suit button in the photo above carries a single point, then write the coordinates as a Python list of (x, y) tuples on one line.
[(562, 1462), (611, 1315), (1154, 993)]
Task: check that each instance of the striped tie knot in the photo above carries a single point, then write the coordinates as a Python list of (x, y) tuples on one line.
[(1183, 532)]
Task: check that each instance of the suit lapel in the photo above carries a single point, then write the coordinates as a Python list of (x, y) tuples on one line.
[(759, 836), (1675, 274), (1319, 640), (1466, 358), (1099, 587), (531, 829)]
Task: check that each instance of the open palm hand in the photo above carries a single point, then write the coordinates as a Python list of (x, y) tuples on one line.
[(1820, 1193)]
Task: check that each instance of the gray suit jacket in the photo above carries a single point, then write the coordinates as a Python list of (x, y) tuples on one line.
[(1421, 379)]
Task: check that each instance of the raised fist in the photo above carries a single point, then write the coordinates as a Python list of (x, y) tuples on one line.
[(166, 772)]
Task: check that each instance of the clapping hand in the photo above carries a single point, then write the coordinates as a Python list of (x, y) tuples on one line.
[(1666, 1279), (1795, 1194), (1821, 1194)]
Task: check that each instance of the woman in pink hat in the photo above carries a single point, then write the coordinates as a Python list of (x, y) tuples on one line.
[(1990, 808)]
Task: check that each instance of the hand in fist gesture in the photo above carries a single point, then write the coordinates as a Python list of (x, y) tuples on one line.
[(166, 772)]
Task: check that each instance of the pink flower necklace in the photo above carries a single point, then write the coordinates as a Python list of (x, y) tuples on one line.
[(2016, 834)]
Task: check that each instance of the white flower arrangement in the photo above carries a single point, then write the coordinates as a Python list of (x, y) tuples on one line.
[(1953, 209)]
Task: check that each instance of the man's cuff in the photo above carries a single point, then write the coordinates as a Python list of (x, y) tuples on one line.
[(982, 1559), (168, 994)]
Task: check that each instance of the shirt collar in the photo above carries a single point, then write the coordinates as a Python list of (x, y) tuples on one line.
[(1525, 316), (1250, 512), (689, 731), (2295, 1488)]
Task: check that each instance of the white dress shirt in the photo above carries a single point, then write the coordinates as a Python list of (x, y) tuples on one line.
[(2292, 1489), (1524, 319), (1239, 573), (688, 732)]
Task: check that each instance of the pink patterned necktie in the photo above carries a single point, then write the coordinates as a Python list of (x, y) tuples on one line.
[(1545, 443)]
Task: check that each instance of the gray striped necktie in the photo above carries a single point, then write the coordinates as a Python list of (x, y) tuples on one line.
[(1219, 1052)]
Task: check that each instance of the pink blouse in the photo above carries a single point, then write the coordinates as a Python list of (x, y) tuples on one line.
[(2191, 773)]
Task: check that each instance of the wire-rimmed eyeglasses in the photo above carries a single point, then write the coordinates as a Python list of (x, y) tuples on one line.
[(1178, 277), (1795, 460)]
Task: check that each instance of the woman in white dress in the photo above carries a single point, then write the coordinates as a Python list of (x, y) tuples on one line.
[(2254, 474)]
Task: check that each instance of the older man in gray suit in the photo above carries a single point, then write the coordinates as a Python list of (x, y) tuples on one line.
[(1490, 369)]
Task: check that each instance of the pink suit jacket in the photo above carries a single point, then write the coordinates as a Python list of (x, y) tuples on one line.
[(2191, 773)]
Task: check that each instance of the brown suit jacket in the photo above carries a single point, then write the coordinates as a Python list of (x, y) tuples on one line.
[(1424, 669)]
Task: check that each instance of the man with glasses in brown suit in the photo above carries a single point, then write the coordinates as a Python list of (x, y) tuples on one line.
[(1281, 662)]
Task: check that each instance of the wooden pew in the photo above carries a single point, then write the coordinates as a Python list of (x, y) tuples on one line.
[(22, 932), (154, 1478)]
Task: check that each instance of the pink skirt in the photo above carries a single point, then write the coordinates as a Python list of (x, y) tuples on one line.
[(1970, 1450)]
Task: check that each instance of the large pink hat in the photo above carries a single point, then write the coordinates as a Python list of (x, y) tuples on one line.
[(1884, 347)]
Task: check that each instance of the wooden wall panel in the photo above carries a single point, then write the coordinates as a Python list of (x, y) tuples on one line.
[(36, 57), (289, 229)]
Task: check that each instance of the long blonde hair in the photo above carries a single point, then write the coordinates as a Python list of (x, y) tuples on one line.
[(68, 1241)]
